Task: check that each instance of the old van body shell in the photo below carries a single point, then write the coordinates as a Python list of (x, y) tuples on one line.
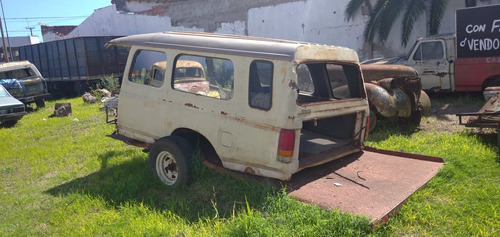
[(245, 138)]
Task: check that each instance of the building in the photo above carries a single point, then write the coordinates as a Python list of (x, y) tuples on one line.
[(15, 43), (316, 21), (52, 33)]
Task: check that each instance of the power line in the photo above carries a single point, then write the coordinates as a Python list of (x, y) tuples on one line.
[(43, 17)]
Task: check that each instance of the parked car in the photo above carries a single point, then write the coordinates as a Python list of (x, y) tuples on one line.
[(395, 92), (11, 109)]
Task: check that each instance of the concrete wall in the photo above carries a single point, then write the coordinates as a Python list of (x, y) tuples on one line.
[(317, 21)]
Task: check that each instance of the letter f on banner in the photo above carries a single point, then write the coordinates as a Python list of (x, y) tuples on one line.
[(496, 24)]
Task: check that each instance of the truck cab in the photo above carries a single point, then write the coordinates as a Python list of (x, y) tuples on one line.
[(24, 82), (467, 60), (433, 59)]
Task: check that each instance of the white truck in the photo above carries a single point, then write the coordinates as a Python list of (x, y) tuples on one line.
[(467, 60)]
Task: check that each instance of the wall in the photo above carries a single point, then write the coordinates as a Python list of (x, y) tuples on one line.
[(52, 33), (317, 21)]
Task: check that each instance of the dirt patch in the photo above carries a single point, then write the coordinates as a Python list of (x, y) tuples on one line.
[(443, 116)]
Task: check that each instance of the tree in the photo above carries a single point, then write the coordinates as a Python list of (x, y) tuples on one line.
[(385, 12)]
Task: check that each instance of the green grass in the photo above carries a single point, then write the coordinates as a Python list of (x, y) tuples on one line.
[(64, 177)]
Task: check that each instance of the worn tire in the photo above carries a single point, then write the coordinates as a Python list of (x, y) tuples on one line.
[(10, 123), (170, 159), (373, 120), (414, 120), (498, 142), (40, 103)]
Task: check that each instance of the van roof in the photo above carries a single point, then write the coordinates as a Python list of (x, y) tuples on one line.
[(239, 45)]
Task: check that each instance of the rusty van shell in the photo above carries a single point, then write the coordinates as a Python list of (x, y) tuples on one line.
[(271, 107)]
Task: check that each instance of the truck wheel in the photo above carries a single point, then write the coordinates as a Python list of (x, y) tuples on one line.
[(415, 118), (373, 120), (170, 159), (40, 103), (425, 103), (10, 123), (498, 141)]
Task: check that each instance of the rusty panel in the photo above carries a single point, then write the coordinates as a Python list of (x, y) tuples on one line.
[(366, 183), (375, 72), (487, 117)]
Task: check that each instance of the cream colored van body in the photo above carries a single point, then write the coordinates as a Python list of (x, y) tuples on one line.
[(270, 110)]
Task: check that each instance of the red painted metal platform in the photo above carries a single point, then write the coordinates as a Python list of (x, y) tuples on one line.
[(373, 183)]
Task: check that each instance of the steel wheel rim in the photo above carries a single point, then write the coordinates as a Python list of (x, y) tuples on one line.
[(166, 168)]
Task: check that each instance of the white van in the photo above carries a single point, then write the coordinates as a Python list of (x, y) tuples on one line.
[(272, 107)]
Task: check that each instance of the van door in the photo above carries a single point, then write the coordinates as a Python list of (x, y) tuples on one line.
[(142, 97), (430, 61)]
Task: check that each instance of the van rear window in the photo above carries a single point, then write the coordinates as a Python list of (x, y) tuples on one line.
[(326, 81)]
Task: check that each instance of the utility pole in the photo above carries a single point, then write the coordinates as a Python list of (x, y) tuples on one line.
[(7, 31), (5, 54), (31, 29)]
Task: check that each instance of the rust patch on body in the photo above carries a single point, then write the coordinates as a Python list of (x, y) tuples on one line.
[(249, 170), (191, 105)]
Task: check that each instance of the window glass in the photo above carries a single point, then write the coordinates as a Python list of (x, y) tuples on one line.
[(207, 76), (3, 92), (17, 74), (304, 78), (429, 51), (260, 84), (148, 68)]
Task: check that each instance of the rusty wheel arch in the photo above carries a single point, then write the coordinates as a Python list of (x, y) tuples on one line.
[(198, 141)]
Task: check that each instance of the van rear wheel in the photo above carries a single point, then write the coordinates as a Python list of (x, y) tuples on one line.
[(170, 160)]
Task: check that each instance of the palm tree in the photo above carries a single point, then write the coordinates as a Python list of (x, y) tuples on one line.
[(385, 12)]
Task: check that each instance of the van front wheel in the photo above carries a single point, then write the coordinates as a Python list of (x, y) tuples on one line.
[(170, 159)]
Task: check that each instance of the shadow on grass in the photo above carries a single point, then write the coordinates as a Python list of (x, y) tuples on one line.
[(387, 128), (487, 137), (211, 194)]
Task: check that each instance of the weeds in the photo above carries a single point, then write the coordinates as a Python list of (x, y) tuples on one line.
[(64, 177)]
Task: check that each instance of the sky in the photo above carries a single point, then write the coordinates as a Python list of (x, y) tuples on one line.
[(20, 14)]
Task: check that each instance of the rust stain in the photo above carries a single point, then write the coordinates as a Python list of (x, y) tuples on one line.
[(191, 105), (249, 170), (293, 85)]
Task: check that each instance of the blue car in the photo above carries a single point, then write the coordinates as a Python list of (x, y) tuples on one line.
[(11, 109)]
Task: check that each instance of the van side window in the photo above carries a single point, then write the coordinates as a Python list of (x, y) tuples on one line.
[(207, 76), (306, 85), (148, 68), (429, 51), (260, 85)]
